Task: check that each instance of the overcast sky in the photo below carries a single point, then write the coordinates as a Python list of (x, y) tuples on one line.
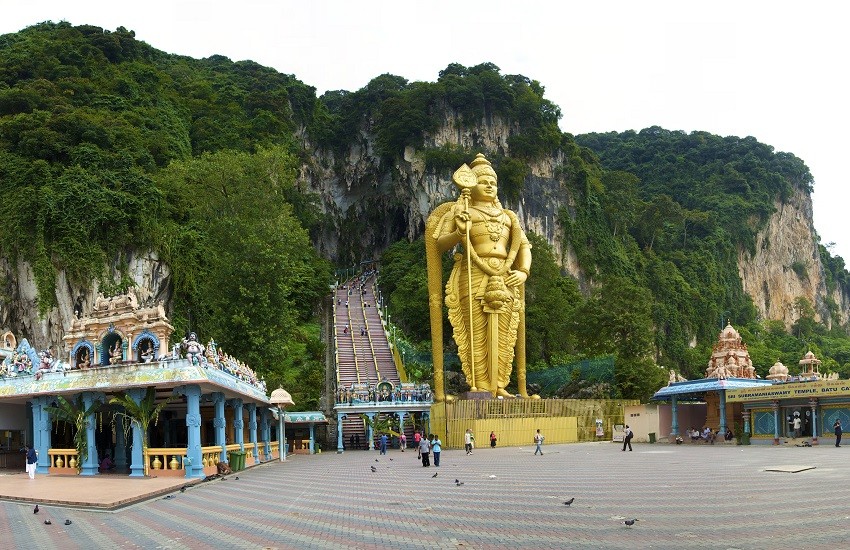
[(772, 70)]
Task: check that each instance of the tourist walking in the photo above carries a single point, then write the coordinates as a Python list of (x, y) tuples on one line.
[(417, 438), (436, 448), (837, 428), (32, 460), (469, 441), (383, 444), (627, 440), (797, 424), (402, 441), (492, 439), (356, 441), (424, 449), (538, 440)]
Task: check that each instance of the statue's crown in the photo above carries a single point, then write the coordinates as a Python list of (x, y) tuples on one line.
[(481, 166)]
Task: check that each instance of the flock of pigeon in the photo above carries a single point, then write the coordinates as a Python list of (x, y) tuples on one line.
[(47, 521), (459, 483)]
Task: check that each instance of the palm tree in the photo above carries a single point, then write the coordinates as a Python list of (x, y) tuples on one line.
[(141, 414), (75, 413)]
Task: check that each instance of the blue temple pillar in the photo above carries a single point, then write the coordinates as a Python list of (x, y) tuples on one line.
[(776, 423), (137, 458), (264, 424), (252, 430), (312, 438), (42, 425), (90, 464), (722, 394), (219, 423), (238, 423), (120, 443), (674, 413), (813, 404), (370, 434), (193, 463), (340, 445), (746, 415)]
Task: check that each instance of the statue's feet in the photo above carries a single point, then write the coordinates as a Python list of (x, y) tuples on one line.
[(526, 396), (504, 393)]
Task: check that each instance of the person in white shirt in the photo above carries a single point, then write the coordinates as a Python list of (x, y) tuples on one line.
[(538, 440), (627, 440)]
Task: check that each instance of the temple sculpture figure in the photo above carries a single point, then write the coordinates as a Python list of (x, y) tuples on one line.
[(485, 294)]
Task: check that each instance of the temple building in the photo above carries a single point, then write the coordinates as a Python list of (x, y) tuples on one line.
[(790, 407), (214, 407)]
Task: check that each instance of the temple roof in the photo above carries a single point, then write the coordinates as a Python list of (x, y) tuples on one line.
[(691, 388)]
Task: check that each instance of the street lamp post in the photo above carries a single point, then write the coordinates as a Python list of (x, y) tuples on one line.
[(281, 398)]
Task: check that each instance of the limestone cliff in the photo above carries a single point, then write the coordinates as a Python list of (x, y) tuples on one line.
[(786, 266), (19, 309)]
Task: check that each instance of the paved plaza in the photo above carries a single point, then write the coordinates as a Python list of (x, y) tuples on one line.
[(687, 496)]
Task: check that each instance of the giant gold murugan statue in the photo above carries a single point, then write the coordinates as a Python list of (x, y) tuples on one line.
[(485, 294)]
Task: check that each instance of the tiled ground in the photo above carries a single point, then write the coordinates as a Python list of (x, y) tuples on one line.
[(690, 496)]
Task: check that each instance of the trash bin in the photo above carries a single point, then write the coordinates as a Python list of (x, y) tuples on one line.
[(242, 460), (231, 460), (651, 437)]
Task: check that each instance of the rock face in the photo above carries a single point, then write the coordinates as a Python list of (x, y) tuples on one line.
[(19, 309), (786, 266), (371, 205)]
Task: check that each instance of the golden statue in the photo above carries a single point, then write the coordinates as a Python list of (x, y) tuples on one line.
[(485, 294)]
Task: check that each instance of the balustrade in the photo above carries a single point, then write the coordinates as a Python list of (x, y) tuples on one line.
[(63, 458)]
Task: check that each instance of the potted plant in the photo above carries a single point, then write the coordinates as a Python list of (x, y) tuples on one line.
[(141, 414), (75, 413)]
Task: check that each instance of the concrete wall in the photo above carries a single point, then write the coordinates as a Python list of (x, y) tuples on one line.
[(657, 419), (14, 418)]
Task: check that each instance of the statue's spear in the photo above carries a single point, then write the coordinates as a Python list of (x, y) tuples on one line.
[(465, 178)]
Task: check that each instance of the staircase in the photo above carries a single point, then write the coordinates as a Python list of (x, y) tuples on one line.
[(363, 353)]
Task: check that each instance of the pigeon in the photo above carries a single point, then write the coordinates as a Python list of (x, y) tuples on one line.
[(630, 522), (237, 478), (391, 460), (568, 502), (376, 460), (67, 522), (35, 510), (459, 483), (373, 468), (435, 474), (48, 522), (183, 489)]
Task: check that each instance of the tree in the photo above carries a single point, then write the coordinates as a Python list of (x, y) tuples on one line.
[(140, 414), (77, 414)]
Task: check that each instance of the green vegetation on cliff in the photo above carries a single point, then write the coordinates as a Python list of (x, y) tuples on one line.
[(108, 145)]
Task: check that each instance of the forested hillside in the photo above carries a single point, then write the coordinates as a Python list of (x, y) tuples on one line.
[(234, 174)]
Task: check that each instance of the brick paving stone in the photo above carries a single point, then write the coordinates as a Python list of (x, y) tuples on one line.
[(684, 496)]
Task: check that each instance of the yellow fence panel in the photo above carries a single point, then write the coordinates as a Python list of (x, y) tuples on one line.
[(515, 421)]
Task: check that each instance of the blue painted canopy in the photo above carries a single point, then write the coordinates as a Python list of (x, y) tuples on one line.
[(690, 388)]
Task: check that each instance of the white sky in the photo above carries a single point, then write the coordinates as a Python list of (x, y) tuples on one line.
[(772, 70)]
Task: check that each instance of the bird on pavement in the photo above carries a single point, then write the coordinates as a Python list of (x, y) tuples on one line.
[(35, 510), (48, 522), (376, 460), (237, 478), (67, 522), (373, 468), (459, 483), (183, 489), (568, 502), (629, 522), (435, 474)]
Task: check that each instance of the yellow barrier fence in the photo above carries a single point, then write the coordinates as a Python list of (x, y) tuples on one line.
[(515, 421)]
